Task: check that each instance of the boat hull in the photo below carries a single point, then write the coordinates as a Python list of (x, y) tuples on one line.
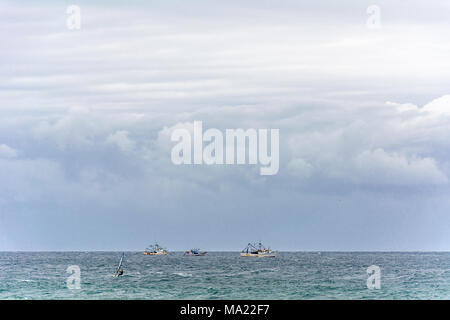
[(259, 255), (200, 254), (155, 253)]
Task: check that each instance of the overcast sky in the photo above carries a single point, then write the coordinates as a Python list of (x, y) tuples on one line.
[(86, 117)]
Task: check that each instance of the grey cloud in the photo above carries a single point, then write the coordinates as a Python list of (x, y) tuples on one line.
[(86, 115)]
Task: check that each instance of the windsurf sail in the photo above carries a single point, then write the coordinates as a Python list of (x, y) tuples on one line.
[(120, 264)]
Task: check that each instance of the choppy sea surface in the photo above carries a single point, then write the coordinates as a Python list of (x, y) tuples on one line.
[(224, 275)]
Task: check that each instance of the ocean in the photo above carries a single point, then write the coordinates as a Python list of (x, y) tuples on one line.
[(224, 275)]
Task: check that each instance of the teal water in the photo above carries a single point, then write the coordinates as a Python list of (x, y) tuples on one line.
[(225, 275)]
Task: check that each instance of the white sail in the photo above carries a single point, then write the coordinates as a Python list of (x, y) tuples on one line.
[(120, 264)]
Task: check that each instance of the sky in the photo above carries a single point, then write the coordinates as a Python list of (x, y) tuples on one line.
[(363, 115)]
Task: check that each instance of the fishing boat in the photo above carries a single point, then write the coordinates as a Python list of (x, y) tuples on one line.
[(194, 252), (257, 250), (155, 250)]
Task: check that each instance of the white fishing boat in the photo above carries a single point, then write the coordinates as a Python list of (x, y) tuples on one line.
[(155, 250), (257, 250)]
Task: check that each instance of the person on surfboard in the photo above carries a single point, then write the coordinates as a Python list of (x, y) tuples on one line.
[(119, 270)]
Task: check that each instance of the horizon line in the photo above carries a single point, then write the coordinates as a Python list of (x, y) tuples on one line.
[(286, 251)]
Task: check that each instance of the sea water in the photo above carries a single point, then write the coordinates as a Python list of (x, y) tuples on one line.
[(224, 275)]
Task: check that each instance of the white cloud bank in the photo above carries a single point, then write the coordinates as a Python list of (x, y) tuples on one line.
[(122, 141), (378, 166), (7, 152)]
